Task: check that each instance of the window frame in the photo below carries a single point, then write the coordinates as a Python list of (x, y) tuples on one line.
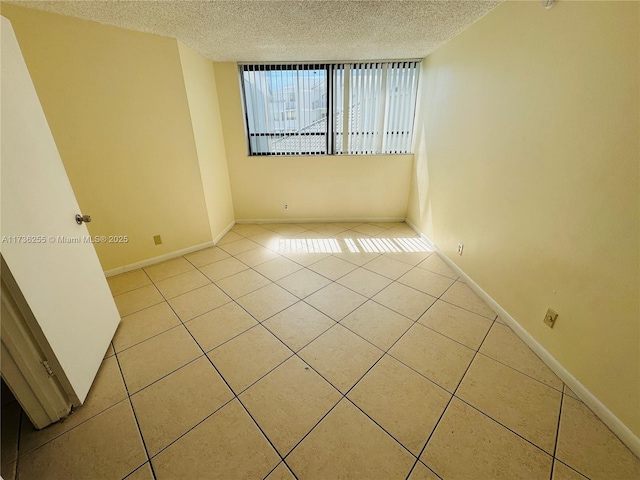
[(330, 132)]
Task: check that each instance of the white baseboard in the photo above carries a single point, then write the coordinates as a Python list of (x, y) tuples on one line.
[(224, 232), (319, 220), (631, 440), (167, 256)]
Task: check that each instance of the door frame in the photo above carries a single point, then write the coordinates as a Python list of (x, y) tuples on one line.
[(25, 367)]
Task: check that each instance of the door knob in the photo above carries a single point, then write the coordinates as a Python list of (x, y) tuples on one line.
[(82, 218)]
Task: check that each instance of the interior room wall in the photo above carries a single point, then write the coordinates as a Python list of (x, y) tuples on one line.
[(527, 152), (200, 85), (313, 187), (116, 104)]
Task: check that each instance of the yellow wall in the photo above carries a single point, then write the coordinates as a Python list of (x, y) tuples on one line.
[(314, 187), (528, 153), (116, 104), (200, 84)]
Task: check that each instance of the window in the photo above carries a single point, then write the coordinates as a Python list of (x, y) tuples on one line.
[(305, 109)]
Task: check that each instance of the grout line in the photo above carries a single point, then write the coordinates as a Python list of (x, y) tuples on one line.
[(207, 352), (521, 372), (124, 399), (463, 308), (417, 457), (226, 276), (208, 282), (417, 322), (396, 312), (343, 396), (71, 413), (493, 419), (198, 267), (174, 274), (130, 474), (224, 404), (425, 466), (582, 475), (234, 297), (453, 280), (143, 308), (232, 300), (373, 420), (298, 271), (128, 395), (312, 306), (293, 449), (329, 316), (236, 397), (555, 444), (435, 427), (421, 374), (274, 469), (136, 288), (148, 338), (135, 417), (445, 335), (164, 376), (424, 447), (233, 392), (329, 278), (282, 458), (240, 392), (371, 343), (504, 426)]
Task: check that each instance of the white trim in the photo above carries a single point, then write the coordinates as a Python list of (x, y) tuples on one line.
[(167, 256), (224, 232), (158, 259), (426, 239), (38, 390), (630, 439), (320, 220)]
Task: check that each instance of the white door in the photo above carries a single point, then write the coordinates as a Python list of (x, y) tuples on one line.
[(73, 314)]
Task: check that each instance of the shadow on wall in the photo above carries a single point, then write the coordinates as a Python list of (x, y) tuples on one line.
[(420, 196)]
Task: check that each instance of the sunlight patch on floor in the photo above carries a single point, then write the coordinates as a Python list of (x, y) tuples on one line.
[(353, 245)]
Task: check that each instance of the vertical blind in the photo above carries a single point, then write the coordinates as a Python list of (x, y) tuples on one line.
[(285, 109), (319, 109)]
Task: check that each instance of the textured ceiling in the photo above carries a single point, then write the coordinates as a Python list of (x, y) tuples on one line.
[(288, 30)]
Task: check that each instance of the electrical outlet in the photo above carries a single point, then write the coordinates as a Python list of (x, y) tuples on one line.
[(460, 248), (286, 206), (157, 239), (550, 318)]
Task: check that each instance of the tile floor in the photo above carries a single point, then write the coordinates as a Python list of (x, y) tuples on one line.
[(316, 351)]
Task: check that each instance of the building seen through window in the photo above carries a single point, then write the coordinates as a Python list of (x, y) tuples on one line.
[(305, 109)]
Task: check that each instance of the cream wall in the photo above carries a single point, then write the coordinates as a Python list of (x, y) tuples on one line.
[(200, 85), (116, 104), (314, 187), (528, 153)]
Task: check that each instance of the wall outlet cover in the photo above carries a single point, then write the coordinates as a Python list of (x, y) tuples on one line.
[(550, 318)]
